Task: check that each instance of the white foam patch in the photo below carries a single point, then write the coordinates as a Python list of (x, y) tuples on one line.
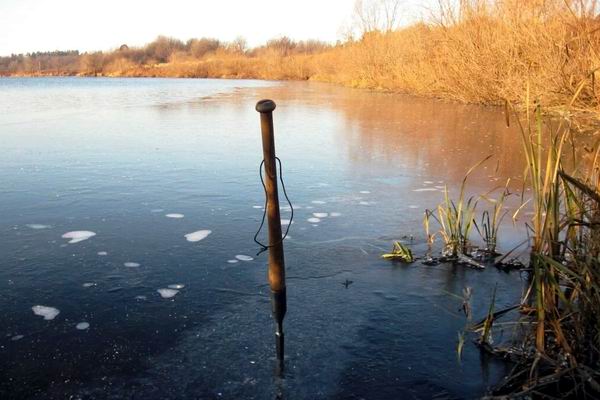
[(233, 261), (78, 236), (167, 293), (88, 284), (176, 286), (49, 313), (38, 226), (318, 202), (197, 236), (243, 257), (413, 206), (174, 215), (314, 220), (82, 326), (335, 214), (425, 190), (365, 203), (321, 215), (130, 264), (257, 207), (440, 187), (102, 253), (285, 222), (141, 298), (17, 337), (428, 182), (365, 192)]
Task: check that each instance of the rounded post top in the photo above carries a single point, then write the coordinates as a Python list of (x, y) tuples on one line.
[(265, 106)]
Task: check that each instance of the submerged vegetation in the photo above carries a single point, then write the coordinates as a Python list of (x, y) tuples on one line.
[(468, 50)]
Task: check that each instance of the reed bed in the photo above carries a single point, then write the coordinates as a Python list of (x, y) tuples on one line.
[(557, 350)]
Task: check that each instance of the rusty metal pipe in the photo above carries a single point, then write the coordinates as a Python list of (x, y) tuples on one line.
[(276, 259)]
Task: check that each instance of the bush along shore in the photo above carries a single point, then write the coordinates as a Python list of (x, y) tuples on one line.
[(475, 51), (555, 346)]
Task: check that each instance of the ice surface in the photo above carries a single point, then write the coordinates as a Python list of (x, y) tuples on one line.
[(49, 313), (78, 236), (198, 235)]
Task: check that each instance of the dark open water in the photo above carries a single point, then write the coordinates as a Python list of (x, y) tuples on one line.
[(115, 156)]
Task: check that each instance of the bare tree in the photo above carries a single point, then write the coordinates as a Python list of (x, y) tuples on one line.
[(376, 15)]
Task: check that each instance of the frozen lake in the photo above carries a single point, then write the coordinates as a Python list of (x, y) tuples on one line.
[(129, 270)]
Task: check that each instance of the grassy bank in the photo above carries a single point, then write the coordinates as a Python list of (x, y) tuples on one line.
[(478, 51)]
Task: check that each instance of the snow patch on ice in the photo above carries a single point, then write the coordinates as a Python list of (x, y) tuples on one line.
[(167, 293), (49, 313), (130, 264), (38, 226), (176, 286), (174, 215), (78, 236), (82, 326), (198, 235)]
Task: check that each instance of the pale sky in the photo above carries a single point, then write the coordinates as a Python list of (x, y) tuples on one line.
[(46, 25)]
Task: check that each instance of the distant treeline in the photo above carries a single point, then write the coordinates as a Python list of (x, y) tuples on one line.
[(482, 51)]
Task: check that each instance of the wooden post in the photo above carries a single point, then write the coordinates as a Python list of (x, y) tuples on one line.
[(276, 259)]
